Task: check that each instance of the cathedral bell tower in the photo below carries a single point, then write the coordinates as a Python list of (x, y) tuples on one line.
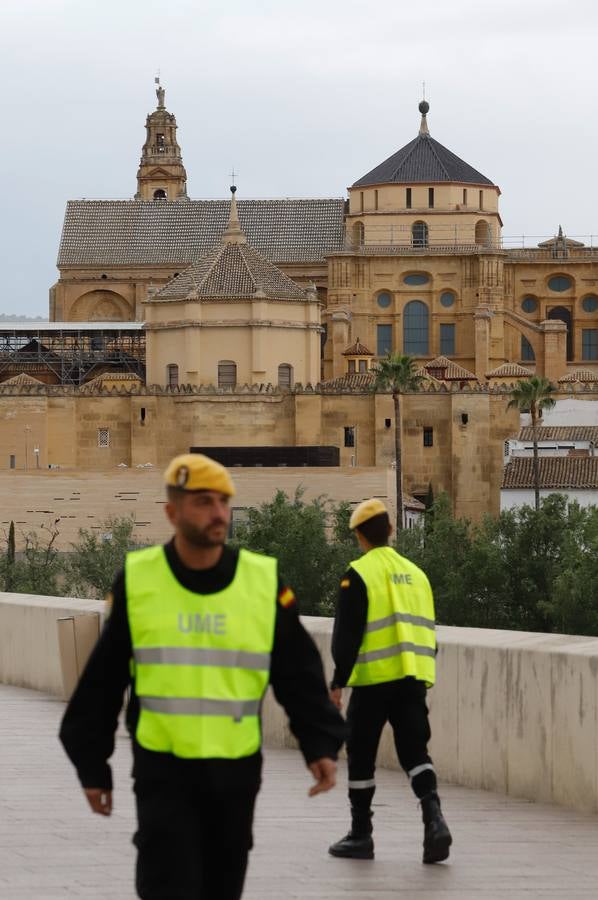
[(161, 174)]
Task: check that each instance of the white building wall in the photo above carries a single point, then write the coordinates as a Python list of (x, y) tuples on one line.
[(511, 498), (569, 412)]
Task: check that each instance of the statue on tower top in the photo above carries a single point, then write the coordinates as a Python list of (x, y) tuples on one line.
[(160, 93)]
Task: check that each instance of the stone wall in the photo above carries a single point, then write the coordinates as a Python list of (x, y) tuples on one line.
[(93, 429)]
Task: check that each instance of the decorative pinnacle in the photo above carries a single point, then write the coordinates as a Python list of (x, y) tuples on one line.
[(234, 233), (424, 108)]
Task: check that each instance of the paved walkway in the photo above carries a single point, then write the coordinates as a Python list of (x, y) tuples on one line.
[(52, 848)]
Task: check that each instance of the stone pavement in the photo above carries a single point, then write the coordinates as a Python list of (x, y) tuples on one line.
[(52, 848)]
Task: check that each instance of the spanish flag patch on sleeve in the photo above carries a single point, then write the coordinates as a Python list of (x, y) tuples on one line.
[(286, 597), (345, 583)]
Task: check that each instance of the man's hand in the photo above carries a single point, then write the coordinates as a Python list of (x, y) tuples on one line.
[(100, 800), (324, 771), (336, 695)]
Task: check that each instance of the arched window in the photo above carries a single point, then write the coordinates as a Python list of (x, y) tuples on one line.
[(160, 194), (419, 234), (482, 234), (416, 321), (564, 315), (285, 375), (227, 373), (172, 375), (527, 351), (358, 234)]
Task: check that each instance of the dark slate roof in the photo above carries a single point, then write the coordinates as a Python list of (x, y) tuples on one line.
[(423, 160), (234, 271), (560, 433), (556, 472), (150, 232)]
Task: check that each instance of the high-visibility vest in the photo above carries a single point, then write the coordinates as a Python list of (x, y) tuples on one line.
[(399, 639), (201, 661)]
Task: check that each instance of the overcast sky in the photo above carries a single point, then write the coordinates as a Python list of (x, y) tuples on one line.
[(302, 98)]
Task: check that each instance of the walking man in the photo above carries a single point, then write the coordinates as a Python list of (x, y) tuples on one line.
[(384, 647), (203, 628)]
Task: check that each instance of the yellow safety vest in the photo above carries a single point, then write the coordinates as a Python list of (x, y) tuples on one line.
[(201, 661), (399, 639)]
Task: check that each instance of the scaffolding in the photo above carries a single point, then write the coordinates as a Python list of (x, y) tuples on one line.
[(71, 353)]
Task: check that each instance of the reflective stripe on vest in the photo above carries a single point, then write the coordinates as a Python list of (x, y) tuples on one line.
[(202, 661), (202, 656), (399, 640)]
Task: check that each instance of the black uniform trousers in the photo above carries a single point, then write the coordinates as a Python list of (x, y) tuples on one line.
[(192, 843), (403, 704)]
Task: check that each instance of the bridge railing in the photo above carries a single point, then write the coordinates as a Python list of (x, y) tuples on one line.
[(512, 712)]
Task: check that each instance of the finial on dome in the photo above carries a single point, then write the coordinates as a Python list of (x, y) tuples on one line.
[(234, 234), (424, 108)]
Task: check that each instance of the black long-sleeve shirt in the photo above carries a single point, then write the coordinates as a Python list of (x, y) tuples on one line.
[(296, 674), (349, 625)]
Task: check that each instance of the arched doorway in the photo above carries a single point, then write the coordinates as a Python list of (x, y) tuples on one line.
[(564, 315)]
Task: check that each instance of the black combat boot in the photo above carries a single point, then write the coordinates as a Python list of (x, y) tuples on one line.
[(437, 837), (358, 843)]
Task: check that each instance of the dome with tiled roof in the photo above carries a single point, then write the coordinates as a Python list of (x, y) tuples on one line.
[(233, 270), (423, 160)]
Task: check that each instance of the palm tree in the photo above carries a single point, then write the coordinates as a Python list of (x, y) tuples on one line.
[(533, 395), (397, 373)]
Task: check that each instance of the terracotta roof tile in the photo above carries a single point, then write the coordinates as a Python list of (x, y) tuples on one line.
[(445, 369), (363, 381), (561, 433), (581, 375), (510, 370), (556, 472), (357, 349)]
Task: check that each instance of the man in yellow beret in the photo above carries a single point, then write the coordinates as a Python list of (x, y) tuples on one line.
[(384, 647), (206, 628)]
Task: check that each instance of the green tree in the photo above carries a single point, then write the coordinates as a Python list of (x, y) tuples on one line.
[(96, 558), (397, 373), (534, 396), (311, 541), (38, 569)]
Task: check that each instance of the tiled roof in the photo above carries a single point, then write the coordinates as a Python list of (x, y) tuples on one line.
[(422, 160), (581, 375), (510, 370), (146, 232), (357, 349), (232, 271), (556, 472), (356, 381), (22, 378), (411, 503), (445, 369), (560, 433)]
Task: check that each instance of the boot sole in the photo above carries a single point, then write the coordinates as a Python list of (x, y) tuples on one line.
[(363, 854), (440, 851)]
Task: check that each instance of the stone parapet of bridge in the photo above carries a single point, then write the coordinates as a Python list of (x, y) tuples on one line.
[(512, 712)]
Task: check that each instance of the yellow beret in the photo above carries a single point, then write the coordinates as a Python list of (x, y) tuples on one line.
[(196, 472), (367, 510)]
